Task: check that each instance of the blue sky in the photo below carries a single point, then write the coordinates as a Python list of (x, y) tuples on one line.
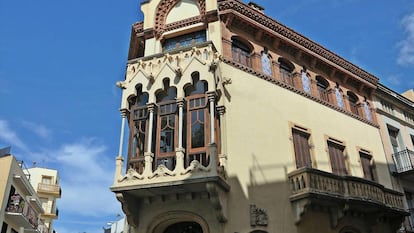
[(60, 60)]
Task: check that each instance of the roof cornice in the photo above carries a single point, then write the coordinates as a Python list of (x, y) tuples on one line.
[(290, 34)]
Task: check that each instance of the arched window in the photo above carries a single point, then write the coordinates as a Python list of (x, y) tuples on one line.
[(266, 62), (322, 86), (167, 129), (241, 52), (305, 80), (197, 121), (184, 227), (286, 68), (367, 109), (138, 127), (353, 102)]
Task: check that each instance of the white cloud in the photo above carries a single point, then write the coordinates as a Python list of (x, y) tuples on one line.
[(40, 130), (86, 174), (10, 137), (406, 53)]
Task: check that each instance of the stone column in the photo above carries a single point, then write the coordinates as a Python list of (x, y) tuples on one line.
[(275, 70), (119, 161), (223, 156), (211, 100), (179, 151), (149, 155)]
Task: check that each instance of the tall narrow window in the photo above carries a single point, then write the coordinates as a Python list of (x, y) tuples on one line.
[(305, 80), (338, 95), (336, 155), (301, 146), (367, 167), (197, 122), (322, 86), (167, 127), (285, 70), (353, 102), (367, 110), (266, 62), (138, 129), (394, 139), (241, 52)]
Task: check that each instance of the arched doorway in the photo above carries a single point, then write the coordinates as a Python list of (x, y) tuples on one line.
[(184, 227)]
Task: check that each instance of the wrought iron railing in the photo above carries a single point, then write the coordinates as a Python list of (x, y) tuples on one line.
[(404, 160)]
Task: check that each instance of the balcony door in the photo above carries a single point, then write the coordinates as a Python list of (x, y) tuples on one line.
[(184, 227)]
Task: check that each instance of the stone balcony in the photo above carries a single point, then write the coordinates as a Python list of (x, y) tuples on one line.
[(311, 188), (50, 189)]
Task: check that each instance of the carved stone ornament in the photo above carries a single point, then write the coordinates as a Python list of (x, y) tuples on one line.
[(195, 165), (164, 7), (131, 175), (162, 170), (258, 216)]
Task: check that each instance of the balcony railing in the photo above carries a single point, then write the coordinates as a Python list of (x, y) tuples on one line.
[(21, 210), (404, 160), (49, 188), (308, 182)]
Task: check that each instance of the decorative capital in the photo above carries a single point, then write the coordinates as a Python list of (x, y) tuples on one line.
[(211, 96), (151, 107), (258, 216), (180, 102), (221, 110), (124, 112)]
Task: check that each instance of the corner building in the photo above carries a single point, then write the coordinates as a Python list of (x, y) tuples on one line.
[(237, 123)]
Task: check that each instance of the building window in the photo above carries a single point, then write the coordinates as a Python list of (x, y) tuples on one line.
[(367, 166), (301, 147), (286, 69), (187, 40), (241, 52), (353, 102), (337, 157), (167, 125), (266, 62), (409, 117), (197, 122), (394, 139), (338, 95), (322, 85), (138, 128), (305, 80), (387, 107), (367, 110), (46, 180)]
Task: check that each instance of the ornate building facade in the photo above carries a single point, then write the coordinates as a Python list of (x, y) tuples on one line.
[(237, 123)]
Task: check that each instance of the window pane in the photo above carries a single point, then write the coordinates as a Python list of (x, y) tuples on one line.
[(197, 129)]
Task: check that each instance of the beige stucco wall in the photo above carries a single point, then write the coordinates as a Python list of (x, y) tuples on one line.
[(259, 114), (5, 166)]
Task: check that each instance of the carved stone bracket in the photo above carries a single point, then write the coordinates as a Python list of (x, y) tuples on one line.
[(218, 199), (162, 170), (195, 165), (131, 175), (258, 216)]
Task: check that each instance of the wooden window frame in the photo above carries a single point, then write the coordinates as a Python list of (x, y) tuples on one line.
[(337, 160), (303, 154), (366, 159)]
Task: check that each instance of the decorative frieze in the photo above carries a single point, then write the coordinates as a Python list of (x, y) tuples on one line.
[(258, 216)]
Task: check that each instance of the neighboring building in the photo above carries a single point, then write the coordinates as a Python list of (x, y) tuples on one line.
[(116, 226), (46, 183), (396, 118), (20, 206), (237, 123)]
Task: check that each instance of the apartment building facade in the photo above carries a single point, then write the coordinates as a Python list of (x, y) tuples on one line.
[(20, 206), (237, 123), (396, 118)]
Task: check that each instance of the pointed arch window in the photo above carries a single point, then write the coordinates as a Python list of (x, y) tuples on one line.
[(167, 125), (241, 52), (138, 128), (197, 122)]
